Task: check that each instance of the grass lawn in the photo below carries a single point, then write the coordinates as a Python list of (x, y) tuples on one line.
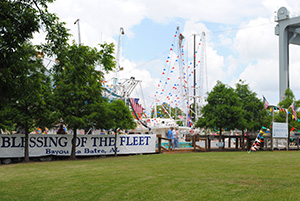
[(186, 176)]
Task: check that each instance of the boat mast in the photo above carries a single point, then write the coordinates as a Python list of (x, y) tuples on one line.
[(184, 87), (203, 72), (79, 39), (118, 67)]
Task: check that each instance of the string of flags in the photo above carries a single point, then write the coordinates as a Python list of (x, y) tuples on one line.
[(293, 128), (286, 111), (293, 107), (173, 87)]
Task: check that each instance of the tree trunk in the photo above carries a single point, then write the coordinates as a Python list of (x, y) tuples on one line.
[(220, 139), (73, 151), (26, 148), (116, 133), (243, 139)]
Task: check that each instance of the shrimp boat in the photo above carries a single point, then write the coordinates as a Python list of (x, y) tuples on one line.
[(174, 90), (178, 88), (160, 127)]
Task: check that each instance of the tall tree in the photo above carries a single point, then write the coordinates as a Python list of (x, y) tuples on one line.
[(31, 103), (78, 85), (223, 109), (254, 116), (19, 20), (24, 86)]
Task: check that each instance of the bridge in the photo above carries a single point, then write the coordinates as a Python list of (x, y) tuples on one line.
[(288, 30)]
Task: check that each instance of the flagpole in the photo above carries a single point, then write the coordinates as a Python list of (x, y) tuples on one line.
[(288, 139), (272, 128), (194, 115)]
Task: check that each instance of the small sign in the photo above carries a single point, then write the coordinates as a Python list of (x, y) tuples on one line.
[(280, 130)]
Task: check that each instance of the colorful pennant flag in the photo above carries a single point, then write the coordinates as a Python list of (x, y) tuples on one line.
[(266, 103), (135, 106), (293, 107)]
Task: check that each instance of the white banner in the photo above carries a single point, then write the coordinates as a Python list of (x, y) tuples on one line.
[(280, 130), (60, 145)]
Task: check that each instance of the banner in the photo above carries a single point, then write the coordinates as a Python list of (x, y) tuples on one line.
[(280, 130), (86, 145)]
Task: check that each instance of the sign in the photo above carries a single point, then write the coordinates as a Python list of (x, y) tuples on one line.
[(280, 130), (86, 145)]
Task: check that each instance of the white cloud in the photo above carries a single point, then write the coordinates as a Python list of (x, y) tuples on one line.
[(273, 5), (224, 40), (99, 18), (262, 76), (108, 16), (251, 54), (258, 49), (227, 12), (257, 40), (233, 65)]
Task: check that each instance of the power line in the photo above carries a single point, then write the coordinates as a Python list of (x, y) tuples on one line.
[(152, 59), (240, 28)]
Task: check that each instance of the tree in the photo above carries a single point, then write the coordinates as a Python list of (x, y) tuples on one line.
[(30, 103), (223, 110), (101, 115), (122, 118), (254, 116), (78, 85), (19, 20), (24, 86), (286, 103)]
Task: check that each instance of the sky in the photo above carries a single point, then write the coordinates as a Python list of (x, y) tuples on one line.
[(240, 42)]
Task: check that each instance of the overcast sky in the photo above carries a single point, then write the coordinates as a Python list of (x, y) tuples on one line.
[(240, 39)]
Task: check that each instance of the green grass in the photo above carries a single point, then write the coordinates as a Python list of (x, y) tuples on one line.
[(188, 176)]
